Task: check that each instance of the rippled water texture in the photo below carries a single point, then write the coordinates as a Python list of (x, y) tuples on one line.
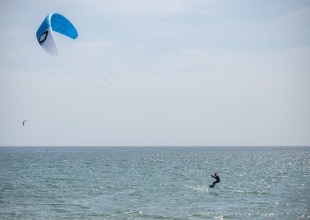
[(154, 183)]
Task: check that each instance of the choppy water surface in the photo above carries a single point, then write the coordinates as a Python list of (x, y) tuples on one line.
[(154, 183)]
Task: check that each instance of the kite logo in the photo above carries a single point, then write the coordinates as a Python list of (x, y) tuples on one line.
[(43, 37)]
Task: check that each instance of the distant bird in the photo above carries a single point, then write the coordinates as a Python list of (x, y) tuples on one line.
[(24, 122)]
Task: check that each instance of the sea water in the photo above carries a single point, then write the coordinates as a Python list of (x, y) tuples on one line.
[(154, 183)]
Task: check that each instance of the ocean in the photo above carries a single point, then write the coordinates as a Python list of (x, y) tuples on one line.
[(154, 183)]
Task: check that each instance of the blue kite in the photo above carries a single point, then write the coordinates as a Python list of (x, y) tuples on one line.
[(45, 34)]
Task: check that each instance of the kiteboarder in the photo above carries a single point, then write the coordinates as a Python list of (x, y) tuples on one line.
[(217, 179), (24, 122)]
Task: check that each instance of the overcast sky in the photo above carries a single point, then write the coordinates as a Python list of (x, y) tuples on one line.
[(157, 73)]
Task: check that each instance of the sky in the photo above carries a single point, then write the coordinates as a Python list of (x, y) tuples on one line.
[(157, 73)]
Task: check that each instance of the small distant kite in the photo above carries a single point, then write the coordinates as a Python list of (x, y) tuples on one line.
[(45, 34), (24, 122)]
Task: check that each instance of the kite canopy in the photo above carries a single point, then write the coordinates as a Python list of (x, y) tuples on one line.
[(54, 22)]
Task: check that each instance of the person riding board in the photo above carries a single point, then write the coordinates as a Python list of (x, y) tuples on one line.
[(217, 179)]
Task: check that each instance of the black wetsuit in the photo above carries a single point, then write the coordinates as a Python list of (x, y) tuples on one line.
[(216, 181)]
